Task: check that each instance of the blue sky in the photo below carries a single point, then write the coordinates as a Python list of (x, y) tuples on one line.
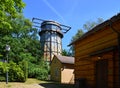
[(73, 13)]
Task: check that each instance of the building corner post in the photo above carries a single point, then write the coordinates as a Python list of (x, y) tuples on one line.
[(118, 40)]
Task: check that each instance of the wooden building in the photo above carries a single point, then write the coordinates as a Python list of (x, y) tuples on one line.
[(62, 69), (97, 55)]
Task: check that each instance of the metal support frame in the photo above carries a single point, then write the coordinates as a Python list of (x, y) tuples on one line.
[(65, 28), (50, 48)]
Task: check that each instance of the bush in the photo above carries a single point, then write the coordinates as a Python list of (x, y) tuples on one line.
[(40, 71), (24, 67), (2, 78), (2, 71), (42, 74), (15, 72)]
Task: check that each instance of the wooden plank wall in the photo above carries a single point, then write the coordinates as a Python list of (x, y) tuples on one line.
[(55, 66), (116, 75), (85, 65), (97, 41)]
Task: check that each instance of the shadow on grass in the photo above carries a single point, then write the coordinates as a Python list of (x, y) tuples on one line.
[(56, 85)]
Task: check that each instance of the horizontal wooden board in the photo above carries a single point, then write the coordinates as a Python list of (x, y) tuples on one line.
[(85, 73), (110, 84), (96, 48), (97, 42), (85, 67), (110, 64), (110, 78), (84, 62), (95, 36), (88, 78)]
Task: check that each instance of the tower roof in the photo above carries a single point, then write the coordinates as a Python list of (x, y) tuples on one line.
[(50, 22)]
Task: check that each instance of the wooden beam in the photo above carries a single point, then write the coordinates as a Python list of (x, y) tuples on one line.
[(103, 50)]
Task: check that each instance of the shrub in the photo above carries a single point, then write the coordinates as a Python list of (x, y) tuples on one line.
[(39, 71), (15, 72), (24, 67)]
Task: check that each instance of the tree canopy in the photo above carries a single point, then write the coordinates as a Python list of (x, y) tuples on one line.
[(25, 56), (86, 27), (9, 9)]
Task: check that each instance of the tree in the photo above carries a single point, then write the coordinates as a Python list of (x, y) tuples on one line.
[(86, 27), (91, 24), (25, 52), (19, 39), (66, 52), (9, 9), (79, 33), (16, 73), (25, 49)]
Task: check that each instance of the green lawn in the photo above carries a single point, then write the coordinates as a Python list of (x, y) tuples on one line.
[(30, 83)]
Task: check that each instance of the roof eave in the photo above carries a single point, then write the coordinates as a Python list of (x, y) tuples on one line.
[(98, 27)]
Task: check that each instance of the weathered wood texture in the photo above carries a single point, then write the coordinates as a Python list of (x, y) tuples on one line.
[(55, 69), (62, 72), (85, 63), (95, 42)]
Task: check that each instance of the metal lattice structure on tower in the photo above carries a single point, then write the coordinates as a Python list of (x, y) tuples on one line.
[(51, 34)]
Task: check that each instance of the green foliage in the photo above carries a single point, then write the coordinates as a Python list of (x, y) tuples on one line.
[(39, 71), (9, 9), (25, 56), (24, 66), (66, 53), (15, 72), (91, 24), (25, 51), (2, 71), (79, 33), (86, 27)]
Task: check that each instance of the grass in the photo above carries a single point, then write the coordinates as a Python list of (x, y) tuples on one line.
[(31, 81)]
